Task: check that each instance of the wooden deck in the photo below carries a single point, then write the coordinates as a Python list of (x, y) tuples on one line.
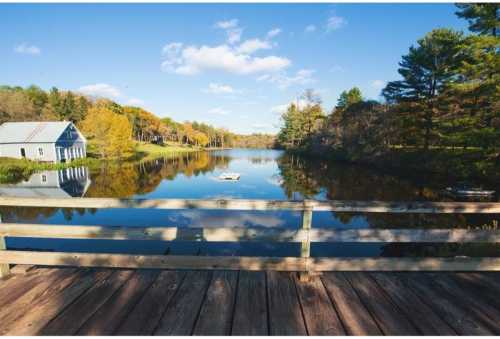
[(87, 301)]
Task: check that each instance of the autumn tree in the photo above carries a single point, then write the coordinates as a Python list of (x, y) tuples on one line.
[(109, 132), (15, 105)]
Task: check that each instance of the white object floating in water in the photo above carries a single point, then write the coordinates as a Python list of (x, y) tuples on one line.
[(466, 191), (229, 176)]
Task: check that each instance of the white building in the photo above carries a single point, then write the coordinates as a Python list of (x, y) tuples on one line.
[(58, 141)]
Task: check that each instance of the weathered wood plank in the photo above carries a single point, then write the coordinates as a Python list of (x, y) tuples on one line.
[(152, 261), (49, 286), (5, 267), (422, 316), (403, 235), (217, 311), (489, 315), (305, 251), (491, 279), (475, 282), (353, 314), (225, 204), (248, 233), (406, 206), (21, 269), (73, 317), (259, 205), (14, 287), (42, 311), (182, 312), (250, 311), (460, 319), (285, 314), (152, 233), (319, 313), (404, 264), (110, 315), (146, 315), (249, 263), (387, 315)]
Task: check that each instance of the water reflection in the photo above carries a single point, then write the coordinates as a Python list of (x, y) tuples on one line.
[(265, 174), (66, 183)]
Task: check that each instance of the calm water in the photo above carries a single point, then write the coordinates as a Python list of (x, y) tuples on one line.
[(265, 174)]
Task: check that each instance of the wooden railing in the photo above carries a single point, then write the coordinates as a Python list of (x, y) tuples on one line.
[(305, 235)]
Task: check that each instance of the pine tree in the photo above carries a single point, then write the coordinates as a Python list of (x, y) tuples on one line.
[(483, 18), (427, 70)]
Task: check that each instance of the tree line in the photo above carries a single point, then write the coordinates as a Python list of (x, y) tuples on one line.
[(447, 98), (114, 128)]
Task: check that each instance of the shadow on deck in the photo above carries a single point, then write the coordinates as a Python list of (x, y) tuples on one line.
[(86, 301)]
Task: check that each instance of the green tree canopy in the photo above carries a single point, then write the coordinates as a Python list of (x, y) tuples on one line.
[(483, 18), (349, 97)]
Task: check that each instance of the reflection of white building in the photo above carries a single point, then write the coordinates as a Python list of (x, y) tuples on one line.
[(66, 183)]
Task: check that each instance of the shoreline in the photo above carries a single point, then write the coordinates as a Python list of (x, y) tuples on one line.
[(460, 165)]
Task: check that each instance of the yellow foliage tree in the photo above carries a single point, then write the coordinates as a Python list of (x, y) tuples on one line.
[(200, 139), (110, 132)]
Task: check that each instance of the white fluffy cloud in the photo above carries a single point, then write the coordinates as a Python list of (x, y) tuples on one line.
[(233, 31), (274, 32), (215, 88), (230, 57), (335, 22), (283, 81), (227, 24), (218, 111), (193, 60), (378, 84), (252, 46), (24, 48), (310, 29), (101, 90)]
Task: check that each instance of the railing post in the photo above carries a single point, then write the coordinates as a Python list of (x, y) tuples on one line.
[(4, 268), (305, 249)]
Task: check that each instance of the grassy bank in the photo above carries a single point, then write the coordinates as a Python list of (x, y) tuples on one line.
[(13, 170), (145, 150)]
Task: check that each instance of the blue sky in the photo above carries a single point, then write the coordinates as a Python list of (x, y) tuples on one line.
[(231, 65)]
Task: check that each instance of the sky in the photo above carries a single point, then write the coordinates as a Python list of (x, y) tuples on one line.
[(236, 66)]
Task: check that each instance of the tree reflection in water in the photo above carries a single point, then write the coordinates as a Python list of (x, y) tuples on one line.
[(267, 175)]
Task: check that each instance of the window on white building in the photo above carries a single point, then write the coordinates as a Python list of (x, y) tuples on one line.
[(44, 178), (40, 152)]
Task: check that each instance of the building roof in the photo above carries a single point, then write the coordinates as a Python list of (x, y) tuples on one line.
[(32, 132)]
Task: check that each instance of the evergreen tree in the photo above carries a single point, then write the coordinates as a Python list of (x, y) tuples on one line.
[(350, 97), (55, 102), (38, 97), (427, 70), (67, 106), (483, 18)]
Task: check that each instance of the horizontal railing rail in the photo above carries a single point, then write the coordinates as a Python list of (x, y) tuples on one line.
[(260, 205), (236, 234), (305, 235)]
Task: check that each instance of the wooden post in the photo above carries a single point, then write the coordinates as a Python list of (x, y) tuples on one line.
[(4, 268), (305, 249)]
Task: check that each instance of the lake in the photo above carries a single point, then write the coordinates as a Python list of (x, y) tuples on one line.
[(265, 174)]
